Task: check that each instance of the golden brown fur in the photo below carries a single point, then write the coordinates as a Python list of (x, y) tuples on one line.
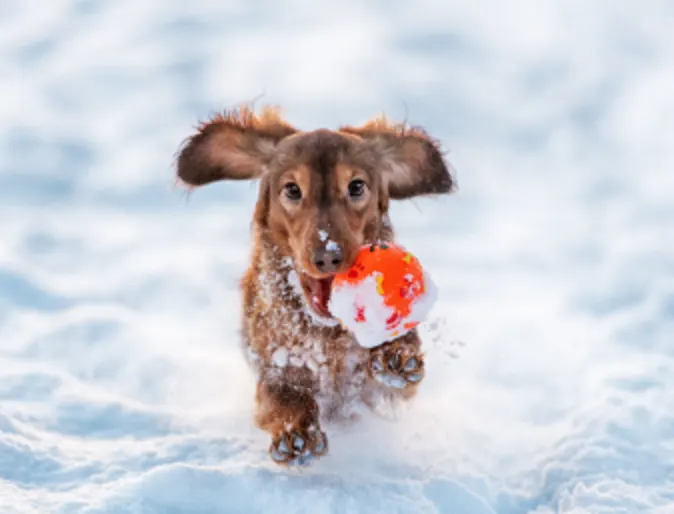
[(323, 194)]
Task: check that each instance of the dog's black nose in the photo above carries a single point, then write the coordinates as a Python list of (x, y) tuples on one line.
[(328, 260)]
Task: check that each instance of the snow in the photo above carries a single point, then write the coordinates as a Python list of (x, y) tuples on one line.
[(347, 301), (550, 369), (280, 357)]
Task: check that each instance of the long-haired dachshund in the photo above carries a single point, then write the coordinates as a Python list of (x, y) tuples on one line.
[(322, 195)]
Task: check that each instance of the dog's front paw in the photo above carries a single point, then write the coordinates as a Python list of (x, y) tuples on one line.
[(297, 446), (397, 364)]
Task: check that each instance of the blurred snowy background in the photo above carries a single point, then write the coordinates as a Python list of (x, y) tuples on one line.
[(121, 386)]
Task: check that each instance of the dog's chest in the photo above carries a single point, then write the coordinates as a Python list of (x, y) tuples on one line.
[(283, 335), (298, 353), (293, 340), (337, 367)]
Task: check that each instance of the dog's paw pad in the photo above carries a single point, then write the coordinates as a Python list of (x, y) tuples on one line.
[(414, 377), (397, 365), (296, 447), (390, 380), (411, 364)]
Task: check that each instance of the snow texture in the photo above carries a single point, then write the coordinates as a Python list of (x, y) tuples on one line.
[(348, 302), (550, 366)]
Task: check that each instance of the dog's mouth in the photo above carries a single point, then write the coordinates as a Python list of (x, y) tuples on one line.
[(317, 292)]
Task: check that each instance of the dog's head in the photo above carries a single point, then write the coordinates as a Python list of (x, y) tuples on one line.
[(323, 194)]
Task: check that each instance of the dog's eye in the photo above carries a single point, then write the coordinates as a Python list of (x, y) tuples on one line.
[(356, 188), (292, 191)]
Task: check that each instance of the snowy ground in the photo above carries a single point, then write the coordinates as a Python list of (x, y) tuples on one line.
[(121, 386)]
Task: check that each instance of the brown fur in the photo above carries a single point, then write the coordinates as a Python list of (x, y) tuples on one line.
[(309, 368)]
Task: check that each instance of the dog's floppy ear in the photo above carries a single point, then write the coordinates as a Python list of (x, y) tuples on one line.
[(412, 161), (235, 145)]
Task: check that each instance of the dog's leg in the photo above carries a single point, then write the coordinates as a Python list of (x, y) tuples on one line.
[(398, 364), (290, 414)]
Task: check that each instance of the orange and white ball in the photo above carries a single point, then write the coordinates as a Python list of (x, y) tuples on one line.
[(385, 294)]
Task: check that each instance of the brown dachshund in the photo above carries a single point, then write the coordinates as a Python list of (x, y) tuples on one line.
[(322, 195)]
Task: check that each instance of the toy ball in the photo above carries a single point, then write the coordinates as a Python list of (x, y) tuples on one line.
[(385, 294)]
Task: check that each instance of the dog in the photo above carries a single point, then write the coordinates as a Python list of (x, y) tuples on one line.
[(323, 194)]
